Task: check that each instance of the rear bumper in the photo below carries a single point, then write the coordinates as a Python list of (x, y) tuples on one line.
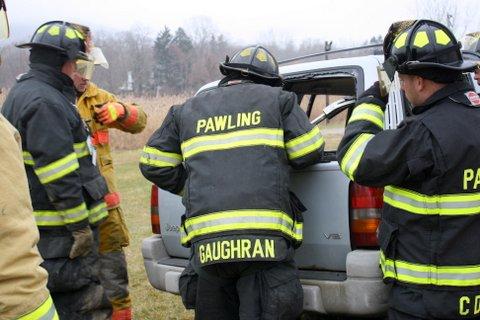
[(361, 294)]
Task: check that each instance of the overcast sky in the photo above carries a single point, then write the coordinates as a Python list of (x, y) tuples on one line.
[(242, 21)]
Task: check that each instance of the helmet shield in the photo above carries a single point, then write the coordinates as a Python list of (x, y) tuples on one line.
[(425, 45), (60, 36), (4, 27), (97, 57), (85, 68)]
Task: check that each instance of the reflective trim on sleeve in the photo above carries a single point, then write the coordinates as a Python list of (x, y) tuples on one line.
[(447, 204), (97, 212), (242, 138), (458, 276), (304, 144), (27, 158), (368, 112), (351, 159), (156, 158), (53, 218), (81, 149), (254, 219), (46, 311), (57, 169)]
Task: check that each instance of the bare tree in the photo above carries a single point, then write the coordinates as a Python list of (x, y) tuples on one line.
[(460, 16)]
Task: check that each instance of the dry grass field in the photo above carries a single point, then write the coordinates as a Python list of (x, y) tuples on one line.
[(156, 109), (148, 303)]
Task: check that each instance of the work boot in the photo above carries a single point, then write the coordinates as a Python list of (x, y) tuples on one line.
[(123, 314)]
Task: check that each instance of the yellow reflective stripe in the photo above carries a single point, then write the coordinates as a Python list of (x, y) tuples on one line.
[(46, 311), (244, 226), (97, 213), (350, 161), (27, 158), (401, 40), (54, 30), (42, 29), (156, 158), (448, 204), (421, 39), (242, 138), (57, 169), (238, 213), (461, 276), (240, 220), (81, 149), (368, 112), (304, 144), (60, 218), (441, 37)]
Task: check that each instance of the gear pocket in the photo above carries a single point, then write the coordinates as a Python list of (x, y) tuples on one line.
[(188, 287), (387, 238), (96, 188), (281, 293)]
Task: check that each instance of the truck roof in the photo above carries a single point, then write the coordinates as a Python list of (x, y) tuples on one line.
[(368, 63)]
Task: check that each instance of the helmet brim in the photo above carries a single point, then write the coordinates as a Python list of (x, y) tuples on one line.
[(226, 68), (28, 45), (462, 66)]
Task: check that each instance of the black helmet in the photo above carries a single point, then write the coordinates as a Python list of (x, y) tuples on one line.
[(255, 61), (61, 36), (425, 45)]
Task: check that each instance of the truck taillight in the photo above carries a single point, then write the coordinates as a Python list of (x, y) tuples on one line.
[(154, 215), (365, 212)]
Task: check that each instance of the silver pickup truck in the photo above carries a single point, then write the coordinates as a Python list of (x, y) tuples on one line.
[(338, 260)]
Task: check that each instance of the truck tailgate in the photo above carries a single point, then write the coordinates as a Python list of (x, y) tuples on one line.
[(322, 188)]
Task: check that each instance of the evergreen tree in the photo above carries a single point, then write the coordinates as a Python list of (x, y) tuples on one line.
[(162, 58)]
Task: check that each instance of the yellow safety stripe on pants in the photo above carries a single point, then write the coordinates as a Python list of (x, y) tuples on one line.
[(46, 311), (242, 138), (254, 219), (51, 218), (97, 213), (351, 159), (57, 169), (368, 112), (458, 276), (304, 144), (156, 158), (81, 149), (447, 204)]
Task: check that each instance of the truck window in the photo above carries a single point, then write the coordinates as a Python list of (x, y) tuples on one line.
[(318, 90), (332, 130)]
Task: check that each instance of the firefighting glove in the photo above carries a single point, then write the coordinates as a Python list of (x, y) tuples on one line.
[(110, 112), (82, 242), (373, 95)]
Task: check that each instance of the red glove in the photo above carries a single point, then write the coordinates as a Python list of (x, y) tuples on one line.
[(110, 112)]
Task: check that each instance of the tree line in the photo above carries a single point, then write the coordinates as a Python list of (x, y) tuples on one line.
[(177, 61)]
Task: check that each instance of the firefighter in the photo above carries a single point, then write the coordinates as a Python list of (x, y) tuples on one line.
[(228, 152), (430, 169), (102, 111), (23, 283), (66, 188), (471, 47)]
